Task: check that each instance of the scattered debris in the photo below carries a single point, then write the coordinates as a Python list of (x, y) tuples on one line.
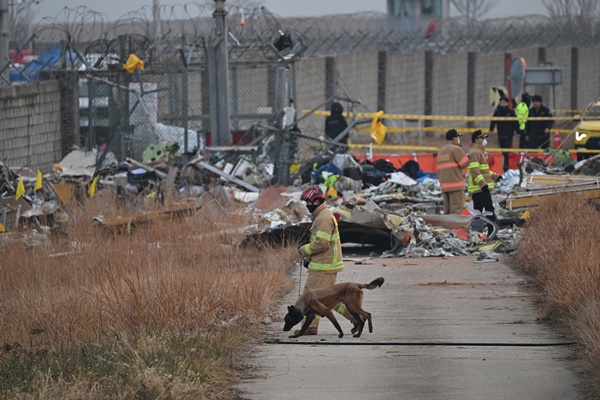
[(392, 213)]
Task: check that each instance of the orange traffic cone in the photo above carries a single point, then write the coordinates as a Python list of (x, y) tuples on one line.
[(557, 140)]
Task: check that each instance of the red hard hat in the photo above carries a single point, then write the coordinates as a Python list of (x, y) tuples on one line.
[(312, 193)]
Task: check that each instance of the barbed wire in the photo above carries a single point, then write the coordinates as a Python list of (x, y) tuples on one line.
[(252, 32)]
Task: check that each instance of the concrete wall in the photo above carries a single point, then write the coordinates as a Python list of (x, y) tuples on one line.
[(405, 83), (33, 115), (405, 86), (449, 85), (30, 125), (589, 76)]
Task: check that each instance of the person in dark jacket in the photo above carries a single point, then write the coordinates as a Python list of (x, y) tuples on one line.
[(336, 123), (506, 129), (539, 130)]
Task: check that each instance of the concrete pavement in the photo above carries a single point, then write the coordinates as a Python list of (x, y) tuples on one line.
[(443, 329)]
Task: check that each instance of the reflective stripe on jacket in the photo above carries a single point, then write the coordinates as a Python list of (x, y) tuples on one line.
[(450, 162), (325, 248), (522, 112), (479, 170)]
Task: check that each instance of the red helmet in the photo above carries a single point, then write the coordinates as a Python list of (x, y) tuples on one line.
[(312, 193)]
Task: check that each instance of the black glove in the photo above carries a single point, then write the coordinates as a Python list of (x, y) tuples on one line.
[(305, 263), (485, 189), (499, 178)]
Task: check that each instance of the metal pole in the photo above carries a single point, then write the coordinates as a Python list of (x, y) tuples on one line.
[(282, 137), (4, 38), (156, 19), (185, 97), (223, 135)]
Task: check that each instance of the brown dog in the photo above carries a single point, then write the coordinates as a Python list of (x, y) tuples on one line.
[(322, 301)]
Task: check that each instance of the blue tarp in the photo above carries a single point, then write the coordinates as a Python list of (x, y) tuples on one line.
[(49, 60)]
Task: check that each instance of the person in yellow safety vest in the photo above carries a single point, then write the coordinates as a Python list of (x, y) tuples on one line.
[(323, 254), (450, 163), (481, 179), (522, 112)]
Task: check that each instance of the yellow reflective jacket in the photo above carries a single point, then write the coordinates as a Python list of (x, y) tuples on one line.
[(325, 248), (522, 112), (479, 170)]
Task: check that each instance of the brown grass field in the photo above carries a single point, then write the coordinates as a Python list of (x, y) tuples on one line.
[(167, 311), (171, 309), (561, 251)]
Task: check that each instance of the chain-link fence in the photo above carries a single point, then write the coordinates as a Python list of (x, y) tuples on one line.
[(126, 112)]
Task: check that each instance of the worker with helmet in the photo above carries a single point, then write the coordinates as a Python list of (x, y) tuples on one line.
[(323, 254)]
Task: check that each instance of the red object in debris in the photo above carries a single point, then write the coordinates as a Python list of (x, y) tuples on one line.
[(557, 140), (431, 30), (24, 57)]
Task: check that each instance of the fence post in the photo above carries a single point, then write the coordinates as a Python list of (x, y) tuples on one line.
[(428, 76), (330, 78), (4, 39), (471, 63), (381, 79), (574, 77)]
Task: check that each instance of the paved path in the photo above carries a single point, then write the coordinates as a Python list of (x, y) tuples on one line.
[(443, 329)]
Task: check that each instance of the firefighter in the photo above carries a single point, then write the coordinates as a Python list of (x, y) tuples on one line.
[(506, 129), (450, 163), (323, 254), (481, 179)]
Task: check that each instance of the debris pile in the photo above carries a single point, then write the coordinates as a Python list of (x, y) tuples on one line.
[(389, 212)]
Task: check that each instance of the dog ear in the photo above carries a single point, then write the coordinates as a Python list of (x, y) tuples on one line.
[(290, 308)]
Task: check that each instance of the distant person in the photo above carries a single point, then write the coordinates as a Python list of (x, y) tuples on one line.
[(539, 130), (522, 112), (450, 163), (336, 123), (506, 129), (481, 179)]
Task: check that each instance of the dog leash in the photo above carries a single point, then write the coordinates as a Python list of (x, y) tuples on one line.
[(300, 278)]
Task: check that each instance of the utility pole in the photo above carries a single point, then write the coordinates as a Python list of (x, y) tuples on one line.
[(218, 59), (4, 39)]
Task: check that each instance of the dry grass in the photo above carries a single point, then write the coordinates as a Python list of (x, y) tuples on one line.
[(163, 312), (560, 251)]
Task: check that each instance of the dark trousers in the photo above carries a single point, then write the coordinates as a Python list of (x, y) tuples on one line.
[(483, 201), (542, 141), (505, 142), (523, 140)]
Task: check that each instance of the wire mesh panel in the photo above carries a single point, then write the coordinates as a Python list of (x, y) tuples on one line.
[(170, 99)]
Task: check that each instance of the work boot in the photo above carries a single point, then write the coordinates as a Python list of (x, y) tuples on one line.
[(309, 331)]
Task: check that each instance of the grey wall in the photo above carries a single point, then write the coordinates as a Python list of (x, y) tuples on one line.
[(30, 125), (405, 81), (31, 116)]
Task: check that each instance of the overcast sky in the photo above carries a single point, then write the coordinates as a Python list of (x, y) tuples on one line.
[(286, 8)]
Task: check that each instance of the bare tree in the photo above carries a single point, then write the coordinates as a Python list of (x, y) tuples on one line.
[(473, 10), (572, 8)]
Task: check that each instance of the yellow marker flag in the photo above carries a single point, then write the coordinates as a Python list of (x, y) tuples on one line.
[(378, 129), (20, 188), (38, 181), (133, 62), (92, 189)]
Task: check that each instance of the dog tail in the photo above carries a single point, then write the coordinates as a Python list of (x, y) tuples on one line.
[(373, 285)]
